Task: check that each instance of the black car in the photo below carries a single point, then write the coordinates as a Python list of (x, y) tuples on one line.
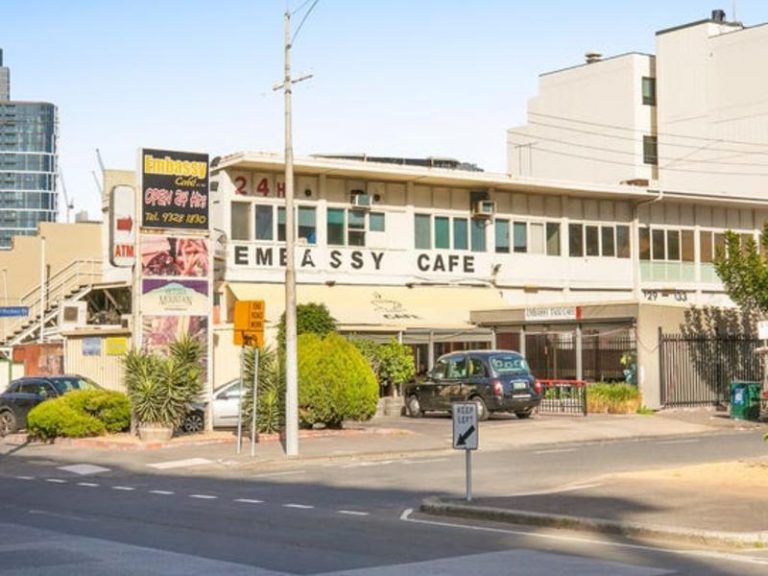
[(25, 393), (497, 380)]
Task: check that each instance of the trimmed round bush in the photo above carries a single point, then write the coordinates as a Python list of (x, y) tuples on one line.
[(80, 413), (53, 419), (336, 383)]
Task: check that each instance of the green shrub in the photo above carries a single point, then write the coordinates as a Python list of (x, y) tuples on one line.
[(613, 398), (111, 408), (270, 411), (311, 318), (335, 381), (392, 363), (55, 418)]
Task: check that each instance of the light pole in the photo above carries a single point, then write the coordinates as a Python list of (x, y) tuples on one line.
[(42, 289)]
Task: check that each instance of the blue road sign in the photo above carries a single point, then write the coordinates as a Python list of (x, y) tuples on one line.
[(6, 311)]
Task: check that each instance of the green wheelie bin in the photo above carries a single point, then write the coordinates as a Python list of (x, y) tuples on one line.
[(745, 400)]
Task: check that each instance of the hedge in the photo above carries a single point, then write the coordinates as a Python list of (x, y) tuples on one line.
[(78, 414), (613, 398)]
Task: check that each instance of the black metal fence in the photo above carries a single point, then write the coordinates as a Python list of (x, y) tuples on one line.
[(563, 397), (698, 370)]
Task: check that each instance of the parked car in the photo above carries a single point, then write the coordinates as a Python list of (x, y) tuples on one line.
[(25, 393), (496, 380), (224, 409)]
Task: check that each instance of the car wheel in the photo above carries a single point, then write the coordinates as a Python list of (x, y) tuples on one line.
[(194, 422), (482, 409), (8, 423), (414, 408), (523, 414)]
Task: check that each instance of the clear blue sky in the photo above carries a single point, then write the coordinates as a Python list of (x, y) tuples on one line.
[(396, 77)]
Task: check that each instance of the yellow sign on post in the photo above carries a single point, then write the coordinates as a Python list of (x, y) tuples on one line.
[(249, 323)]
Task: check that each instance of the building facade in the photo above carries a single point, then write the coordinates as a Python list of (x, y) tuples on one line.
[(28, 164), (689, 119)]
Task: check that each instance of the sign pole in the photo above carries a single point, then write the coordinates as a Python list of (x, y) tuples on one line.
[(469, 474), (465, 436), (255, 403), (240, 404)]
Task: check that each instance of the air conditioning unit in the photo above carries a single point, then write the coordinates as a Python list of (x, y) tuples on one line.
[(362, 200), (126, 322), (484, 209), (72, 314)]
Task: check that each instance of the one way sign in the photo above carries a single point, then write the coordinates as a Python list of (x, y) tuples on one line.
[(465, 430)]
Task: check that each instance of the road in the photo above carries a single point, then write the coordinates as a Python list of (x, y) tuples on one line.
[(348, 516)]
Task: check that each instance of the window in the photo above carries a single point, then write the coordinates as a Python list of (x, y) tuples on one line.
[(442, 232), (650, 150), (335, 226), (356, 228), (673, 245), (553, 239), (536, 238), (460, 234), (307, 224), (241, 215), (478, 235), (264, 222), (593, 241), (687, 254), (622, 241), (645, 243), (607, 240), (649, 91), (502, 236), (575, 240), (520, 238), (422, 231), (281, 224), (477, 368), (658, 245), (376, 222)]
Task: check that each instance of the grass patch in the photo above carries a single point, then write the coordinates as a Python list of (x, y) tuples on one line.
[(603, 398)]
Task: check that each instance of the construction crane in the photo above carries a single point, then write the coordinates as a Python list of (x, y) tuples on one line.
[(69, 204)]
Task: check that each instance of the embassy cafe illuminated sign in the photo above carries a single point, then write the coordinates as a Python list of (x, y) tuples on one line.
[(357, 260)]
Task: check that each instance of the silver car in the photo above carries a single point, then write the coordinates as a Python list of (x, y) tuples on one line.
[(226, 400)]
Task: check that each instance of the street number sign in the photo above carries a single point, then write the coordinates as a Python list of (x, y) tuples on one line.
[(465, 431)]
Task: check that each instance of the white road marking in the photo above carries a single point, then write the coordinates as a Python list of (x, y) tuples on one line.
[(555, 451), (124, 488), (427, 461), (249, 501), (353, 513), (368, 464), (84, 469), (406, 517), (25, 477), (286, 473), (55, 480), (88, 484), (161, 492), (203, 496), (299, 506), (694, 441), (179, 463)]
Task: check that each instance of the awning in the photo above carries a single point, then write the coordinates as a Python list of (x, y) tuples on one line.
[(381, 308)]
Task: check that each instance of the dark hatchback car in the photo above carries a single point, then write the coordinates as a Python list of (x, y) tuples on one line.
[(25, 393), (497, 380)]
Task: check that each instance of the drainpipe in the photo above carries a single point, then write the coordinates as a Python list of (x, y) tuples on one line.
[(636, 244)]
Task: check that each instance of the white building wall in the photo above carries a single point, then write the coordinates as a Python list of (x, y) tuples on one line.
[(586, 124), (713, 111)]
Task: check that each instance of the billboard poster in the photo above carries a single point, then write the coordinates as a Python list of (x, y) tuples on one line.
[(163, 255), (116, 345), (159, 332), (174, 190), (92, 346), (159, 295)]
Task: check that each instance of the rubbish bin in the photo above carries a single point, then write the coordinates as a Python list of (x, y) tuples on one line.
[(745, 400)]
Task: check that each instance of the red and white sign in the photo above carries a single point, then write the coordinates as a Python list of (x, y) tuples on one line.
[(122, 233)]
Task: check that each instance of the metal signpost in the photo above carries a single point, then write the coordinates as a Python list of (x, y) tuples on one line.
[(465, 435), (249, 331)]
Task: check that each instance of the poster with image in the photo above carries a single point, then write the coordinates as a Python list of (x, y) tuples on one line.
[(163, 255), (158, 332), (159, 296)]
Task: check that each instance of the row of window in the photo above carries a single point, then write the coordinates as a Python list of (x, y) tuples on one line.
[(349, 227)]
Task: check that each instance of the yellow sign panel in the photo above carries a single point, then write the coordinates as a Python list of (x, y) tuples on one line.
[(116, 346), (249, 323)]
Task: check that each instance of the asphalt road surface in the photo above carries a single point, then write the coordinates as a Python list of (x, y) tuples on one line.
[(351, 517)]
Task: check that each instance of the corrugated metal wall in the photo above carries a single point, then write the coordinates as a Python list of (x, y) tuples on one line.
[(97, 357)]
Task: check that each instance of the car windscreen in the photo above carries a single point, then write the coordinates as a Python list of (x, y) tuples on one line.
[(66, 383), (508, 364)]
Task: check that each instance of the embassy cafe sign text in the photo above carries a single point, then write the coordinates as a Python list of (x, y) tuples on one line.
[(363, 260)]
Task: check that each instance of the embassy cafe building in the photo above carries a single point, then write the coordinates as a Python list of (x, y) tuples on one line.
[(442, 257)]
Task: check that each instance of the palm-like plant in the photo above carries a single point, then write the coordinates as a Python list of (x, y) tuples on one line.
[(161, 387), (271, 392)]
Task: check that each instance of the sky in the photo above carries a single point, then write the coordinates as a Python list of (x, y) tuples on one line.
[(410, 78)]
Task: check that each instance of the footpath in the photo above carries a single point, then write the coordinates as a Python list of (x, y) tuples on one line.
[(722, 504)]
